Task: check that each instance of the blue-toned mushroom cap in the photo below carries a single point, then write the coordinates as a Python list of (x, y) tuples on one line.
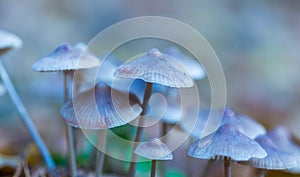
[(276, 159), (155, 67), (8, 41), (227, 141), (193, 67), (101, 108), (154, 150), (66, 58)]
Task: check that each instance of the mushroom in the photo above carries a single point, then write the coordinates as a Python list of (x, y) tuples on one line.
[(196, 128), (66, 59), (154, 150), (227, 143), (244, 123), (249, 126), (152, 67), (276, 159), (9, 42), (193, 67), (285, 140), (81, 112)]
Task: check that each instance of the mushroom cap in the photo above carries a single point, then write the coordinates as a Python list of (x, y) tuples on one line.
[(66, 58), (243, 123), (249, 126), (154, 149), (193, 67), (227, 115), (96, 109), (227, 141), (276, 158), (155, 67), (8, 41), (282, 137)]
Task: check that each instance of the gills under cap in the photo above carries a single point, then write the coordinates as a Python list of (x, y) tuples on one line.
[(98, 109)]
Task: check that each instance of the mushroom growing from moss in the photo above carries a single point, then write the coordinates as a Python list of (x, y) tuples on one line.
[(154, 150), (67, 59), (227, 143), (152, 67), (9, 42)]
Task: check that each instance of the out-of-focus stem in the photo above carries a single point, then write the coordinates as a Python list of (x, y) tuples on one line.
[(70, 133), (227, 167), (27, 121), (100, 153)]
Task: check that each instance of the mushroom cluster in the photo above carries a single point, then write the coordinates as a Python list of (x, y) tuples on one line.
[(241, 139), (218, 134)]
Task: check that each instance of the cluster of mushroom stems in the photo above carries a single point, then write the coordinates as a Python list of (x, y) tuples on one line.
[(236, 137)]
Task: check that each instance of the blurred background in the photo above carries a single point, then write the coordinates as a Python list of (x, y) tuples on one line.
[(257, 42)]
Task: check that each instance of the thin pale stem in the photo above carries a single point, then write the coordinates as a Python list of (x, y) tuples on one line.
[(153, 168), (227, 167), (140, 128), (100, 153), (26, 119), (70, 134)]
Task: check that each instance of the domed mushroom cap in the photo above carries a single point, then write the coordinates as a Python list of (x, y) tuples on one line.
[(218, 116), (154, 149), (276, 159), (155, 67), (193, 67), (8, 41), (227, 141), (98, 109), (283, 138), (66, 58)]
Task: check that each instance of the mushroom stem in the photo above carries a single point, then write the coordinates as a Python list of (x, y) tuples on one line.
[(153, 168), (207, 167), (140, 128), (227, 167), (70, 133), (101, 152), (164, 131), (27, 121), (164, 128), (261, 173)]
